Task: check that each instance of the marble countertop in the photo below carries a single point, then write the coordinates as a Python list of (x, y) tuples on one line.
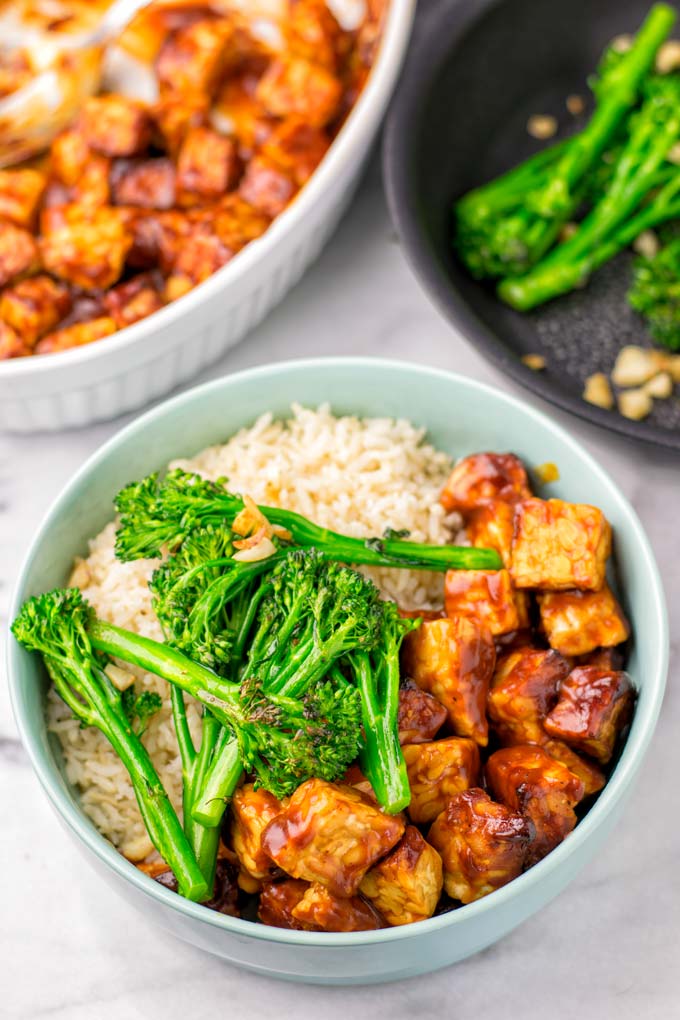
[(606, 948)]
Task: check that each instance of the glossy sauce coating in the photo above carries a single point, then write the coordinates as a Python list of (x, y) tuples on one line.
[(482, 844), (523, 690), (330, 834), (483, 478), (453, 659), (593, 706), (251, 812), (578, 622), (421, 716), (527, 780), (487, 595)]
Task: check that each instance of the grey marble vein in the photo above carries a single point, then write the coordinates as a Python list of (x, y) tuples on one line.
[(606, 949)]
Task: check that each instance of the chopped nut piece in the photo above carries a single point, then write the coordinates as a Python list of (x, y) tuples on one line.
[(668, 57), (673, 155), (622, 43), (575, 104), (536, 362), (120, 678), (647, 244), (542, 126), (597, 391), (568, 230), (636, 365), (660, 386), (635, 404)]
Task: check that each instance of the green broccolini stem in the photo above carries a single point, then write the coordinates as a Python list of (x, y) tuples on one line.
[(218, 785), (381, 758), (639, 169)]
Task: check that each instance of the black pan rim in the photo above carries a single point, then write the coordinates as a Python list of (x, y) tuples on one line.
[(429, 51)]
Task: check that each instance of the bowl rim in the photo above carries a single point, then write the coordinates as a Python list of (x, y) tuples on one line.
[(443, 35), (628, 764), (343, 152)]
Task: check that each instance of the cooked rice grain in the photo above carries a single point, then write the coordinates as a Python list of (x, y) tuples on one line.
[(355, 476)]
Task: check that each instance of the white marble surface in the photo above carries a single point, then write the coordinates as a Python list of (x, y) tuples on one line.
[(606, 949)]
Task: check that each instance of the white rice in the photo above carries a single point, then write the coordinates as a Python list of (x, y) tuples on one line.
[(355, 476)]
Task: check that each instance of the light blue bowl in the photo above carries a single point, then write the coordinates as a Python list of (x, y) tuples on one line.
[(461, 416)]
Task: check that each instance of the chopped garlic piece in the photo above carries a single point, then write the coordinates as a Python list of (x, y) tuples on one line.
[(636, 365), (660, 386), (597, 391), (120, 678), (261, 551), (542, 125), (575, 104), (674, 154), (647, 244), (536, 362), (635, 404), (622, 43), (668, 57)]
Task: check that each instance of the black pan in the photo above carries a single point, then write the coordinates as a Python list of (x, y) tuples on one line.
[(477, 71)]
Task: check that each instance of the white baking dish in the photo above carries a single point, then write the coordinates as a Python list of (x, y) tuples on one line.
[(146, 360)]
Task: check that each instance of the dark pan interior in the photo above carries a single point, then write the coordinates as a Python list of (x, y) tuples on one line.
[(479, 71)]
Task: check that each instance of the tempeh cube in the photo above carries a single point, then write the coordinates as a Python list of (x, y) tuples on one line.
[(523, 690), (34, 306), (527, 779), (453, 659), (20, 195), (437, 771), (133, 300), (19, 254), (405, 885), (77, 335), (116, 125), (266, 187), (593, 707), (251, 812), (558, 546), (207, 166), (320, 910), (330, 834), (191, 60), (421, 716), (89, 254), (578, 622), (482, 844), (294, 87), (487, 595), (492, 527), (484, 478)]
